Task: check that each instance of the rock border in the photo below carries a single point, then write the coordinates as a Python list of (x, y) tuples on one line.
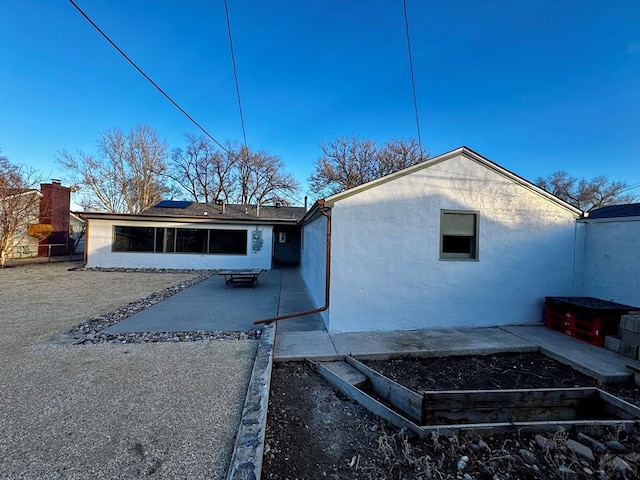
[(246, 461)]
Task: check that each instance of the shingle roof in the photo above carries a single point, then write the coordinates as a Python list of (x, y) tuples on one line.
[(231, 211), (614, 211)]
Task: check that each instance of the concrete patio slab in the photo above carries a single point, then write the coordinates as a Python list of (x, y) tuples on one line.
[(300, 345), (473, 341), (600, 363), (209, 306), (378, 344)]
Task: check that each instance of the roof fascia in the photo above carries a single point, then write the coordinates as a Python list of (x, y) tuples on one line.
[(77, 217), (466, 152), (182, 218), (28, 192), (311, 214), (609, 219), (332, 199)]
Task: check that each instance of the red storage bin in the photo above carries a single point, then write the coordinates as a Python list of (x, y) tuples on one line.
[(586, 318)]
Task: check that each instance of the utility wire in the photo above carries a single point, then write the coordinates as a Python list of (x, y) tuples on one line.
[(413, 83), (166, 95), (106, 37), (235, 76), (630, 187)]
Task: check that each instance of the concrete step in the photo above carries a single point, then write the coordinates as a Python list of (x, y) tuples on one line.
[(346, 372)]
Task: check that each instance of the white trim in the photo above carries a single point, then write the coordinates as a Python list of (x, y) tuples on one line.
[(609, 219), (470, 154)]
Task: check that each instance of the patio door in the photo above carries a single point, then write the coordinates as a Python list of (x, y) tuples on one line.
[(286, 245)]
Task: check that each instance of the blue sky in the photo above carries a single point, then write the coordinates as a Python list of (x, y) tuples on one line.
[(535, 86)]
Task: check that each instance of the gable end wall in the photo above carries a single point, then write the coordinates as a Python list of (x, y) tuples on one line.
[(386, 272)]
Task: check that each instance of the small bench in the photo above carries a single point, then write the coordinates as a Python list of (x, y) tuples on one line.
[(246, 277)]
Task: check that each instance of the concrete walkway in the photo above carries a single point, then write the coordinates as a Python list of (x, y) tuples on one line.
[(604, 365)]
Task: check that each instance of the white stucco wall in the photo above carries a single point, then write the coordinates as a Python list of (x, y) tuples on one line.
[(608, 259), (313, 258), (100, 254), (386, 272)]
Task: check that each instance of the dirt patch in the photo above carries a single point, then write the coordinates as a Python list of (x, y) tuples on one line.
[(314, 432)]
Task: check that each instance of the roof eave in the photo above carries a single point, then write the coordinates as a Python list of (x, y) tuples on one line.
[(183, 218), (468, 153)]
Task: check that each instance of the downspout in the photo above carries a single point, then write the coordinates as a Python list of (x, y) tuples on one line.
[(327, 281)]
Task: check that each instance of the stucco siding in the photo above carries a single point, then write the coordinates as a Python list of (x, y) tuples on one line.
[(313, 262), (609, 260), (100, 254), (386, 271)]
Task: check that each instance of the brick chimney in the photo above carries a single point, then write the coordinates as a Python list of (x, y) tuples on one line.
[(55, 205)]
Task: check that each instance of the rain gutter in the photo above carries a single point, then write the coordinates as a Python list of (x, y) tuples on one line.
[(327, 281)]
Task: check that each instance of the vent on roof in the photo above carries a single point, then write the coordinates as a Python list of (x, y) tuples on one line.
[(173, 204)]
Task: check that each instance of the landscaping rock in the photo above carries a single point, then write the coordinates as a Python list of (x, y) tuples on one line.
[(581, 450), (619, 465), (592, 443), (545, 443)]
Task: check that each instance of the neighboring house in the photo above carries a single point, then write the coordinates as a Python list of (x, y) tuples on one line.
[(22, 208), (454, 241), (44, 220), (608, 254), (176, 234), (77, 230)]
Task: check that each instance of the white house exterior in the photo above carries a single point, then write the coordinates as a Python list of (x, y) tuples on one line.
[(454, 241), (608, 254), (186, 235)]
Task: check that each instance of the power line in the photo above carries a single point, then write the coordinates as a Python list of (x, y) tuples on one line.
[(235, 76), (413, 83), (630, 187), (166, 95)]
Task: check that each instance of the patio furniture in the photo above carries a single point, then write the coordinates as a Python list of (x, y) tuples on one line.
[(245, 277)]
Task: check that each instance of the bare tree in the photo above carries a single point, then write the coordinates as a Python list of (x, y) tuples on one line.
[(127, 174), (238, 175), (204, 173), (585, 194), (348, 162), (261, 178), (19, 205), (397, 155)]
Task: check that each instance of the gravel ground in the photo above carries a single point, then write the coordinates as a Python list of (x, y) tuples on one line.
[(167, 410)]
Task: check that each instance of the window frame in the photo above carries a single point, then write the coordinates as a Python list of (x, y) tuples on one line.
[(115, 234), (458, 257), (165, 240)]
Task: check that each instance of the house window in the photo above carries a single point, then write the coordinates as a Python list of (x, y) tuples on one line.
[(191, 240), (458, 235), (133, 239), (282, 237), (179, 240), (228, 241)]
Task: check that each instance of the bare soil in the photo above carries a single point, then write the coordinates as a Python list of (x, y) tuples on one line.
[(314, 432)]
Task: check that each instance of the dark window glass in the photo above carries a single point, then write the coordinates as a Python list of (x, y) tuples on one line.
[(459, 236), (159, 239), (451, 244), (165, 240), (133, 239), (228, 241), (191, 240), (170, 240)]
